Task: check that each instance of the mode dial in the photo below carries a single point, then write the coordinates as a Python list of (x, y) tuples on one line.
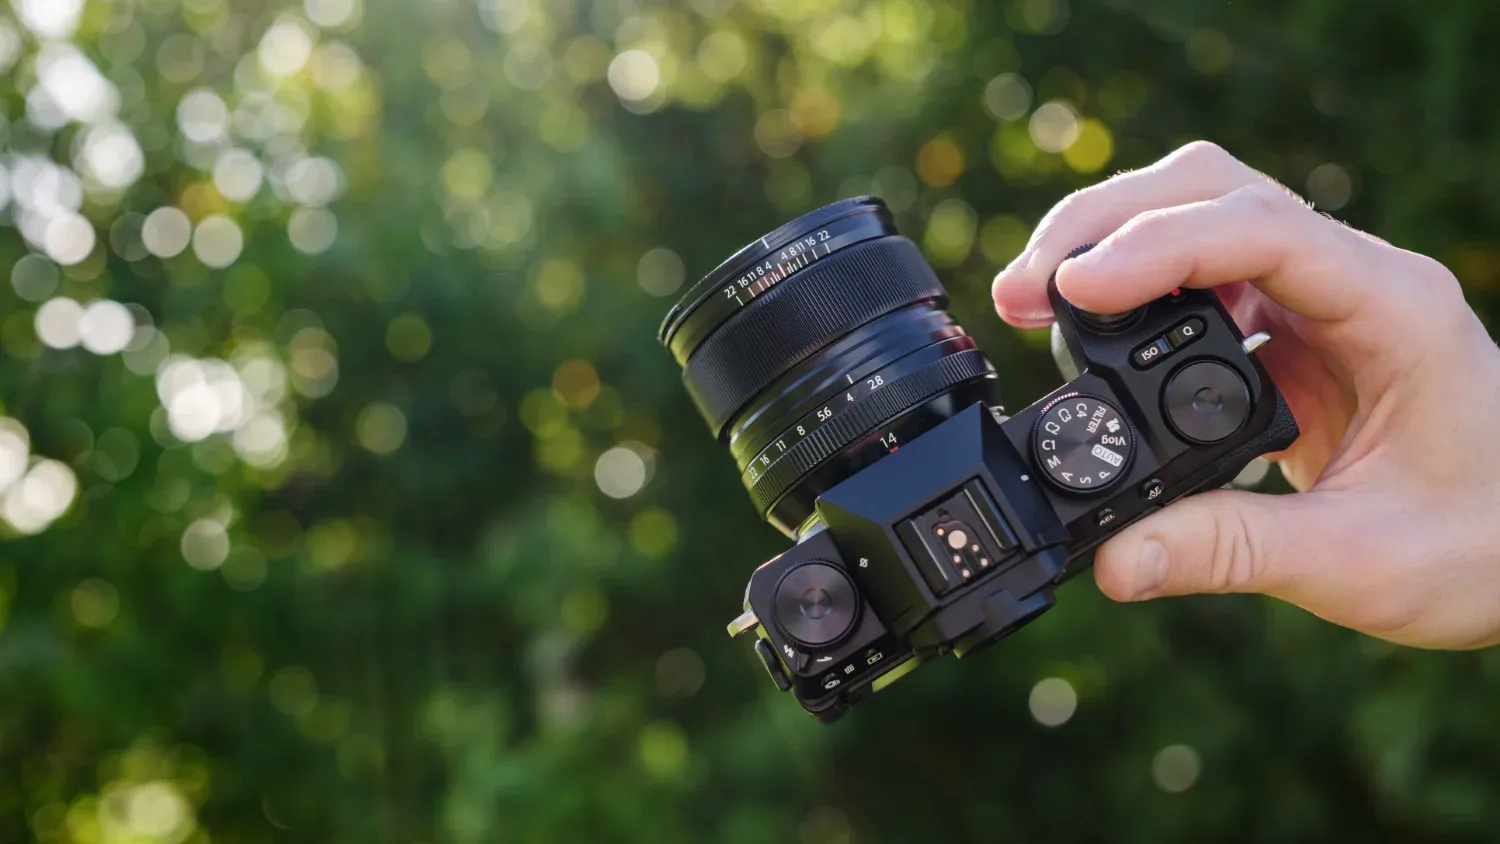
[(1083, 443)]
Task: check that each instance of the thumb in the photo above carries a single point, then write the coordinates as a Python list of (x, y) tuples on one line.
[(1221, 541)]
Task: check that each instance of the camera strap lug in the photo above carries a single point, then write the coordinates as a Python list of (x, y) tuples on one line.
[(745, 622)]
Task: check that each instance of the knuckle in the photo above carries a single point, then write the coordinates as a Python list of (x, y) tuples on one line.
[(1239, 555), (1435, 291), (1203, 155), (1061, 216), (1436, 280), (1267, 197), (1146, 222), (1071, 206)]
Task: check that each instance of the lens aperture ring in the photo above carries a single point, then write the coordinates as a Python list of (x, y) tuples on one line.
[(845, 396), (767, 262), (863, 418), (795, 320)]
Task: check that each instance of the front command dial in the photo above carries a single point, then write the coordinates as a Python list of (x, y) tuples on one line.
[(1083, 444)]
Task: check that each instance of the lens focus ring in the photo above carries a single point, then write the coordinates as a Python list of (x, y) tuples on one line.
[(863, 418), (799, 318)]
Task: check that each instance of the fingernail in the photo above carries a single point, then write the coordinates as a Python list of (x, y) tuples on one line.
[(1150, 569)]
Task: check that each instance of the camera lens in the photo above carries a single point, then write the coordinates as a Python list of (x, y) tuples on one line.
[(816, 605), (819, 348)]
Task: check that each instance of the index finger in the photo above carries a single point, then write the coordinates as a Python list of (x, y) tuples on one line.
[(1193, 173), (1300, 259)]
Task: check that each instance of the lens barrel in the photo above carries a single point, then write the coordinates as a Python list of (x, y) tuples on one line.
[(819, 348)]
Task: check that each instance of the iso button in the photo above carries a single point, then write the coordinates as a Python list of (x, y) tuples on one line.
[(1082, 444), (1151, 352)]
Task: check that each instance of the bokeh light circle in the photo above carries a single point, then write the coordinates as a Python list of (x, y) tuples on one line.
[(57, 323), (218, 241), (634, 75), (1054, 126), (106, 327), (1053, 702), (1176, 768), (620, 472), (166, 232)]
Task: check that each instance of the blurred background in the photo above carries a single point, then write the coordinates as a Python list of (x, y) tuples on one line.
[(347, 496)]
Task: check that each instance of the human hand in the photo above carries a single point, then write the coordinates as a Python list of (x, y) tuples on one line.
[(1393, 381)]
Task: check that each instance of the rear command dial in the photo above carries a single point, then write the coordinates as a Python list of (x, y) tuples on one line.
[(1083, 444)]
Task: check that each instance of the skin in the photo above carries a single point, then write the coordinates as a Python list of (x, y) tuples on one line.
[(1395, 530)]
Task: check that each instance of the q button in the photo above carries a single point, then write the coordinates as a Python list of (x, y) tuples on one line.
[(1186, 333)]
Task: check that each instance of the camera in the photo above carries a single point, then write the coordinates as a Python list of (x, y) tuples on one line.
[(864, 423)]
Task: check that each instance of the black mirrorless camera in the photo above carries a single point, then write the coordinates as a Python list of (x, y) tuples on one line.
[(864, 423)]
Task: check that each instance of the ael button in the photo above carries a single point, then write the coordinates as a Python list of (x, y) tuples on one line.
[(772, 664)]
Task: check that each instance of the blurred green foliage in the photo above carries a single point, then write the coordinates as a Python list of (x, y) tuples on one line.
[(376, 514)]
